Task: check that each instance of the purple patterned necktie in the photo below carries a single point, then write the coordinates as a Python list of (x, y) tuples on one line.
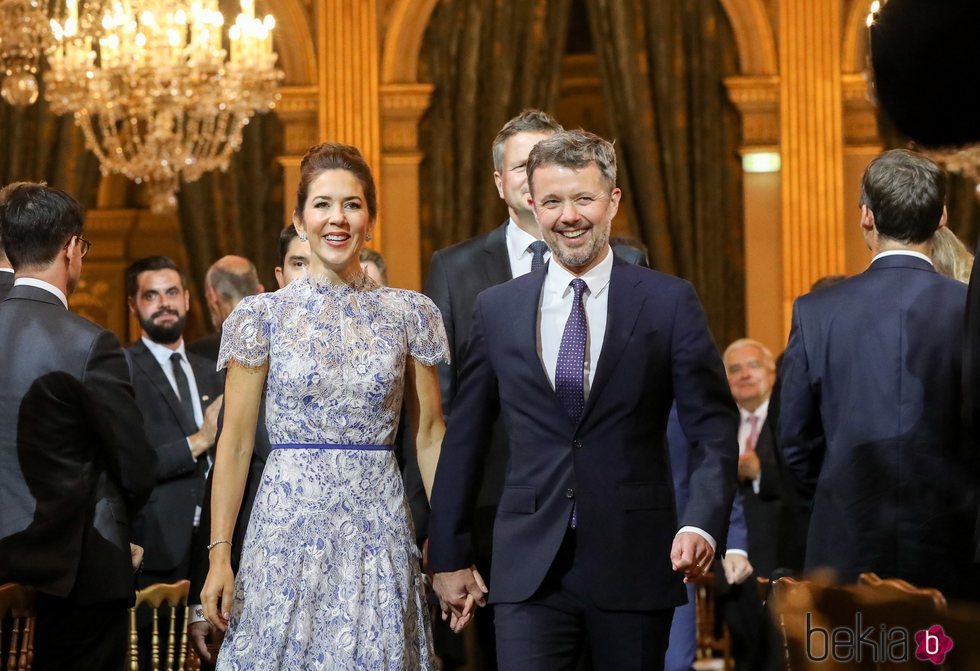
[(537, 249), (570, 371)]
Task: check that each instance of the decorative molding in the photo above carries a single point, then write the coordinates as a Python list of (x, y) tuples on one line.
[(854, 50), (757, 100), (754, 36), (402, 106), (293, 40), (408, 20)]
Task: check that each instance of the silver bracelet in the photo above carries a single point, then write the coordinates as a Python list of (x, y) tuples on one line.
[(217, 543)]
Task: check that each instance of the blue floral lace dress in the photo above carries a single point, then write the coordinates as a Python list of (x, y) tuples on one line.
[(330, 577)]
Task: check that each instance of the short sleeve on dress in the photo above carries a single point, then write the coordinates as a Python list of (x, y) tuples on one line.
[(427, 342), (245, 334)]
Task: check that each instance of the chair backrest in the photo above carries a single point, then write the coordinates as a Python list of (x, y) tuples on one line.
[(870, 625), (17, 608), (154, 596), (713, 642)]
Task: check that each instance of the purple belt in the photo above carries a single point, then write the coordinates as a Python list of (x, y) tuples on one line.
[(326, 446)]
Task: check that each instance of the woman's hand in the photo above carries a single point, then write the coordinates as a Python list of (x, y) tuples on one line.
[(219, 586)]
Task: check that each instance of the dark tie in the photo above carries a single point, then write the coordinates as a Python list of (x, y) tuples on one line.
[(183, 388), (537, 248), (570, 371)]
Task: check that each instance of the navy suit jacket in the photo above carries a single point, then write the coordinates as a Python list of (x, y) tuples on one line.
[(613, 464), (680, 450), (870, 423)]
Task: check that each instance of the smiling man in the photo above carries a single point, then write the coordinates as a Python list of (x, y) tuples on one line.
[(583, 361), (178, 393)]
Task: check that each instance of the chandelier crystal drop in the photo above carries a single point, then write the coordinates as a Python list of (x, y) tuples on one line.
[(157, 96), (24, 35)]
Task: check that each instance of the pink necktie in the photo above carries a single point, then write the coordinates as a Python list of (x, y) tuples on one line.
[(753, 434)]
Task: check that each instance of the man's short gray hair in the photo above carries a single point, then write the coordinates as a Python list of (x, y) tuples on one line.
[(574, 149), (528, 121), (767, 357)]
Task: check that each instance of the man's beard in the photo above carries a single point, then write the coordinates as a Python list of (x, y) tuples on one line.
[(165, 334)]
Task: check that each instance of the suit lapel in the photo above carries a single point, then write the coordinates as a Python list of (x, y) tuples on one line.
[(624, 307), (143, 358), (525, 316), (496, 260)]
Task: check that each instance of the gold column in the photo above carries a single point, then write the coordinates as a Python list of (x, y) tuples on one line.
[(812, 141), (348, 78), (402, 106)]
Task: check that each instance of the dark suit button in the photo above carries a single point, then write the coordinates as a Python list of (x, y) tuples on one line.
[(569, 493), (576, 444)]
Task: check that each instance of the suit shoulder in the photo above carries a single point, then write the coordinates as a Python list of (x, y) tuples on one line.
[(463, 252)]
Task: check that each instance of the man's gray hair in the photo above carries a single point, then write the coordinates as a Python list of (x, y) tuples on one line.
[(767, 358), (528, 121), (234, 285), (574, 149)]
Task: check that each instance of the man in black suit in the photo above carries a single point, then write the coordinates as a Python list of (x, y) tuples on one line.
[(870, 411), (75, 464), (179, 395), (583, 358), (228, 280), (294, 258), (458, 274)]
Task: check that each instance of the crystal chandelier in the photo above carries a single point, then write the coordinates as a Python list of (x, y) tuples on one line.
[(157, 96), (24, 35)]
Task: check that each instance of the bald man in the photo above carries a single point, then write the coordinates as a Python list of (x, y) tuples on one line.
[(229, 279)]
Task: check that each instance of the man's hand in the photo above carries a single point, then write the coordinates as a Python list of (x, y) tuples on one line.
[(691, 554), (136, 556), (203, 440), (199, 633), (737, 568), (749, 467), (459, 592)]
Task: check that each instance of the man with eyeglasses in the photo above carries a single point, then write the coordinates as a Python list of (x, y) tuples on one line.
[(75, 464)]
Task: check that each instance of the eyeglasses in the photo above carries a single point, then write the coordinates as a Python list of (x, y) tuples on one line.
[(86, 244)]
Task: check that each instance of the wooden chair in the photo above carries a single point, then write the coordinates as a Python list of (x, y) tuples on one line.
[(17, 607), (810, 611), (154, 597), (713, 651)]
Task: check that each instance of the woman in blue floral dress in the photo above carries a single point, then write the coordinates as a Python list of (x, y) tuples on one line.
[(330, 577)]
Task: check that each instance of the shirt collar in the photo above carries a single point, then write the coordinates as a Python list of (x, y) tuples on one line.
[(162, 353), (597, 278), (902, 252), (7, 270), (761, 412), (518, 239), (41, 284)]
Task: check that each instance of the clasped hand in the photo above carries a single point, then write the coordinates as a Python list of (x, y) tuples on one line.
[(459, 593)]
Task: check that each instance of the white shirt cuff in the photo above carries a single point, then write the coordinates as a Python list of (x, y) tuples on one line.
[(755, 484), (197, 614), (700, 532), (737, 552)]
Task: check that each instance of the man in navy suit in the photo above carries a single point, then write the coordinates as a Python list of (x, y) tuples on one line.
[(871, 399), (583, 358)]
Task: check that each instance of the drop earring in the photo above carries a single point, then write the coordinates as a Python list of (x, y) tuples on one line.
[(301, 236)]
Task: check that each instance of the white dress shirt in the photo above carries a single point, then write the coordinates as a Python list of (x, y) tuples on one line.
[(41, 284), (518, 241), (162, 354), (556, 306), (902, 252)]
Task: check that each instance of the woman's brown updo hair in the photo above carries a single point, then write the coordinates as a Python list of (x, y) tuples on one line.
[(335, 156)]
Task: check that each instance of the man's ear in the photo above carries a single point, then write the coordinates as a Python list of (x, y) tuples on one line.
[(499, 181), (867, 219), (943, 220), (131, 302)]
